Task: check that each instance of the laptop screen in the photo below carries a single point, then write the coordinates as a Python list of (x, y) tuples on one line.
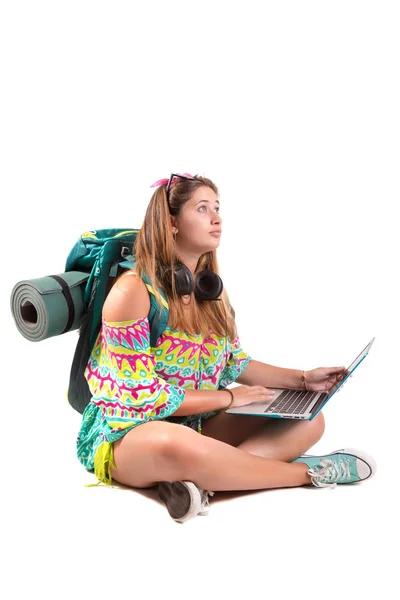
[(351, 368)]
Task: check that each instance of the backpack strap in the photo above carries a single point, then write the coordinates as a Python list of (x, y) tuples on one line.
[(107, 257), (157, 322)]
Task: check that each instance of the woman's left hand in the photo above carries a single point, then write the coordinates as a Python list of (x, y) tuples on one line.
[(323, 378)]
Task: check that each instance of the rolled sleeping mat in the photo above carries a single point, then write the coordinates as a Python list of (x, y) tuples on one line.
[(50, 305)]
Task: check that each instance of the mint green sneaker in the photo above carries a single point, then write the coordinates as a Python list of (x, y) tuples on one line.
[(342, 466)]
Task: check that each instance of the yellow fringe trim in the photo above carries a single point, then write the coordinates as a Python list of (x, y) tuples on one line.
[(103, 463)]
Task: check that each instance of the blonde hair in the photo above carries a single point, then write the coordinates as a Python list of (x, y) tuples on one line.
[(154, 251)]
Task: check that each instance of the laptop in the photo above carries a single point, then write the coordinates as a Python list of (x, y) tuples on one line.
[(294, 404)]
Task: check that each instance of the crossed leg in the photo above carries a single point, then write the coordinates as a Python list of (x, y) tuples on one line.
[(160, 451), (279, 439)]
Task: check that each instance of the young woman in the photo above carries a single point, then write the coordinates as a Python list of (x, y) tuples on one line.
[(157, 415)]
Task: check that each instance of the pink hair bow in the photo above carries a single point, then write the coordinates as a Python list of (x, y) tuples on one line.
[(165, 181)]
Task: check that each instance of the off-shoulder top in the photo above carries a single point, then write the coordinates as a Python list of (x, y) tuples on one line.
[(132, 383)]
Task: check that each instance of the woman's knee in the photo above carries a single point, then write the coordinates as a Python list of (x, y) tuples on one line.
[(182, 445), (317, 427), (158, 447)]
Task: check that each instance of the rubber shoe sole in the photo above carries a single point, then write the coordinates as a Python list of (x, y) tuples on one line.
[(182, 499)]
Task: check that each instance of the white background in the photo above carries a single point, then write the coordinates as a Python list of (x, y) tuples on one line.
[(292, 108)]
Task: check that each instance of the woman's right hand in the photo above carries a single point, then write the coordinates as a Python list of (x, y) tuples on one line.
[(246, 394)]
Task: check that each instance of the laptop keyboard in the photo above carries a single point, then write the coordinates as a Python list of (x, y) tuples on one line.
[(292, 402)]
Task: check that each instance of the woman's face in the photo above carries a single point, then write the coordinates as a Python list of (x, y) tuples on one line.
[(197, 220)]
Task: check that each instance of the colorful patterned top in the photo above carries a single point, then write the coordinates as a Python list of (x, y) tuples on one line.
[(132, 383)]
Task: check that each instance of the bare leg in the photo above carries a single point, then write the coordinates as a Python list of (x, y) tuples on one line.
[(284, 440), (160, 451), (280, 439)]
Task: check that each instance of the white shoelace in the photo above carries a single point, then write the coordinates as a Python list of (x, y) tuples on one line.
[(330, 472), (205, 502)]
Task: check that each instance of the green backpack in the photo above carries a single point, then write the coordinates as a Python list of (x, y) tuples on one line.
[(103, 254)]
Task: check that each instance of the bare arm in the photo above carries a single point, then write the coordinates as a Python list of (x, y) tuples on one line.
[(199, 401), (258, 373)]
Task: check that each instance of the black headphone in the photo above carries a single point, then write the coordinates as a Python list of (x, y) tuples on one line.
[(207, 285)]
